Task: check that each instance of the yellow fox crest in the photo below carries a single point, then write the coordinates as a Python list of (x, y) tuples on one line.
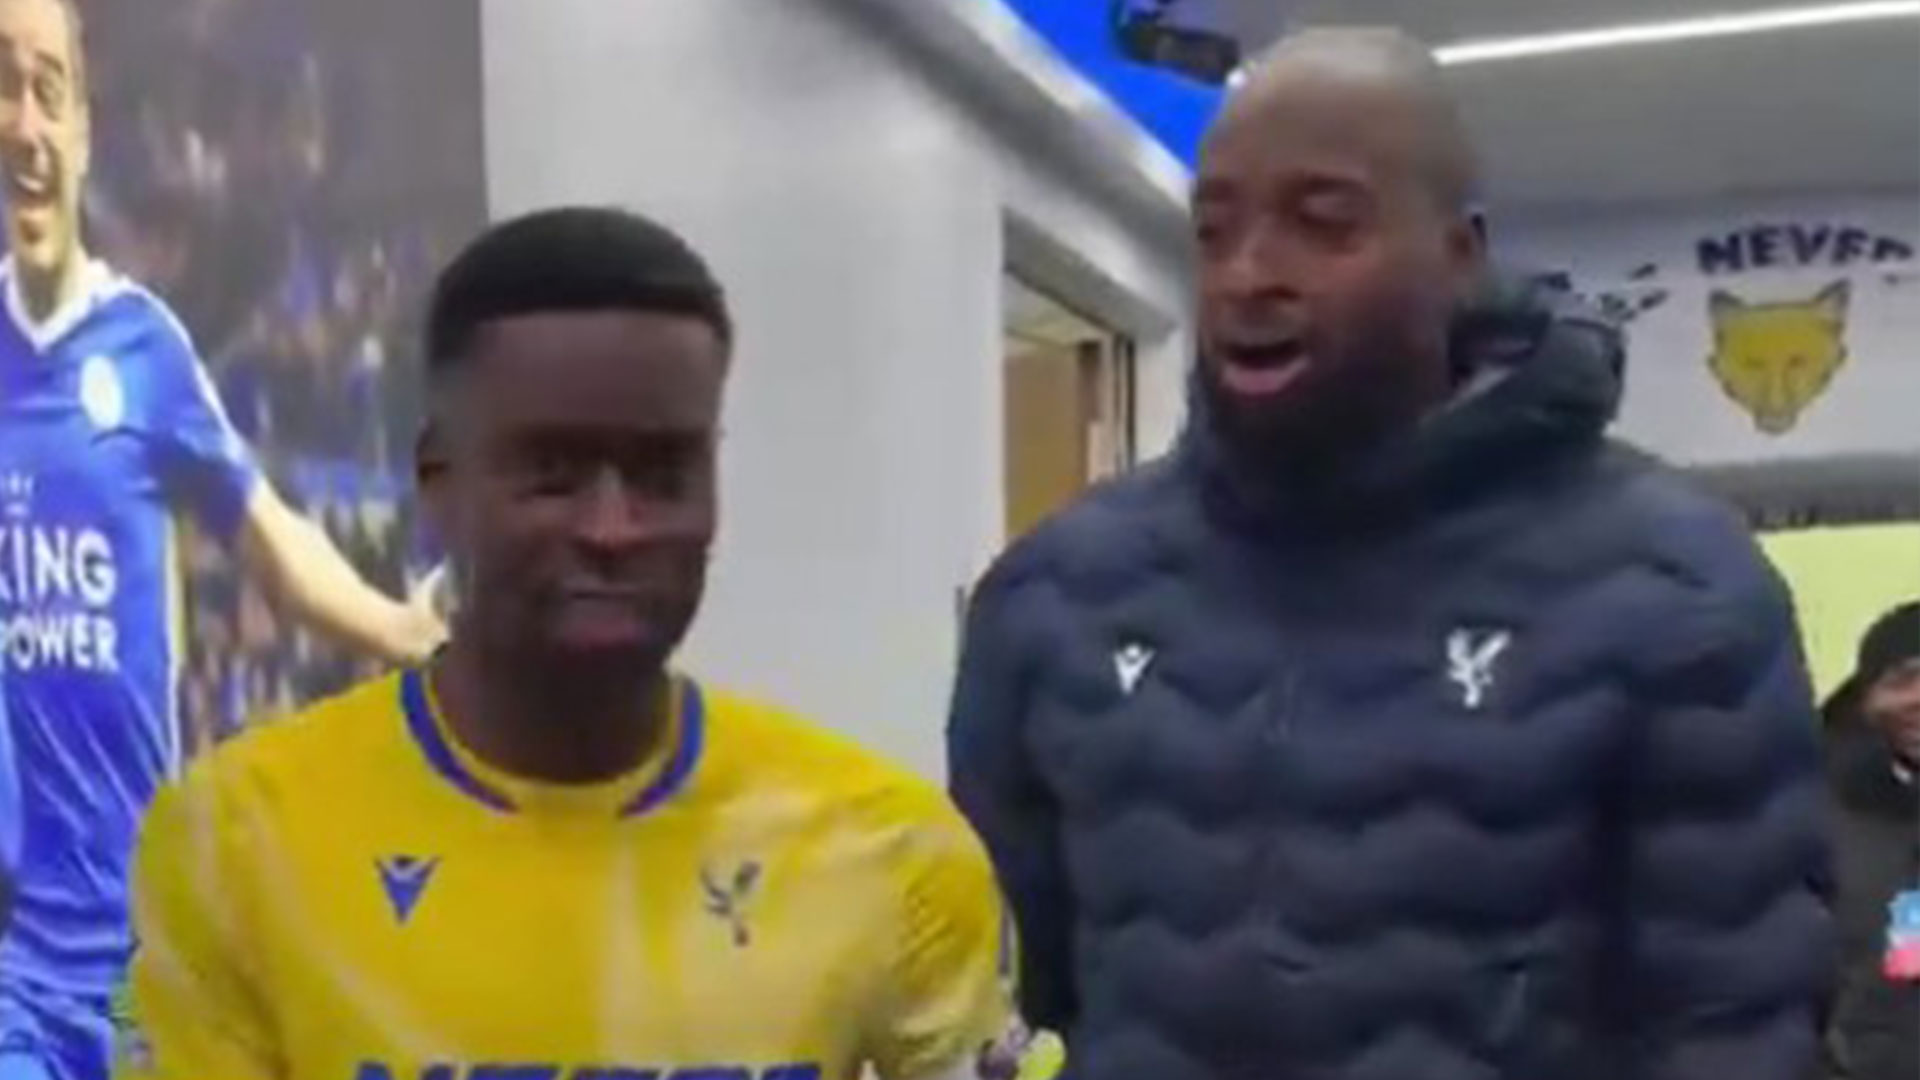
[(1775, 359)]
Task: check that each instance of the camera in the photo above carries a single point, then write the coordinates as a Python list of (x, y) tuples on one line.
[(1148, 35)]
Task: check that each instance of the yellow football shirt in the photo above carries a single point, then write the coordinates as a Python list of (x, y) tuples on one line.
[(351, 895)]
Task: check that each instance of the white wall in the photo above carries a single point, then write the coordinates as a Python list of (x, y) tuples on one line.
[(855, 211), (1760, 252)]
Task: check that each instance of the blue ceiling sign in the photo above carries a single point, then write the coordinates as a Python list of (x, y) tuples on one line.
[(1173, 108)]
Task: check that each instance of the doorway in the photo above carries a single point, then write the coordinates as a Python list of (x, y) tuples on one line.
[(1069, 403)]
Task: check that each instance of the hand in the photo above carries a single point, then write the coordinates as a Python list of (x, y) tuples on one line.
[(421, 628), (1002, 1059)]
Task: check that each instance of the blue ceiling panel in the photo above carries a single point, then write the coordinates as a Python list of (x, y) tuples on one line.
[(1174, 109)]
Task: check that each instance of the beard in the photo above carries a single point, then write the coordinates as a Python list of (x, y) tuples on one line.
[(1332, 421)]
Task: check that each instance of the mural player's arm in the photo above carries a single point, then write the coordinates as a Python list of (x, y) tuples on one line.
[(209, 467), (314, 582)]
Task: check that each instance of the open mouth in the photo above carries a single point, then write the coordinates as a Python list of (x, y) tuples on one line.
[(27, 186), (1263, 368)]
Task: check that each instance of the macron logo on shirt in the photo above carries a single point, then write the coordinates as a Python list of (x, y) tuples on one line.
[(405, 877)]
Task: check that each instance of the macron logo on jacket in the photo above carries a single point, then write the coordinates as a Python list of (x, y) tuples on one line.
[(1130, 665)]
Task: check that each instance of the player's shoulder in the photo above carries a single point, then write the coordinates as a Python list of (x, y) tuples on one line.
[(763, 746), (121, 301), (109, 311), (322, 747)]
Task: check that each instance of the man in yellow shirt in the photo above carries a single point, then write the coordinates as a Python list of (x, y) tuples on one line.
[(547, 855)]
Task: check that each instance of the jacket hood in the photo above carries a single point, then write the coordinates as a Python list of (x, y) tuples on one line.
[(1540, 375)]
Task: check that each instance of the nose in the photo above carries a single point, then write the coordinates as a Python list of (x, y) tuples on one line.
[(23, 136), (32, 124), (1258, 264), (609, 516)]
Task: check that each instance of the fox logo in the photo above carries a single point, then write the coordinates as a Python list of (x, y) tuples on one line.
[(1776, 359)]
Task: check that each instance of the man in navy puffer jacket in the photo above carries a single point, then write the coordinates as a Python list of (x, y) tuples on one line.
[(1398, 726)]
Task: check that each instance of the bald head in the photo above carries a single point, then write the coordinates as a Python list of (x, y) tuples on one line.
[(1381, 86), (1335, 243)]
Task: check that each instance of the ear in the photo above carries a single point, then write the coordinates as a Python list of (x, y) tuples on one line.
[(1722, 306), (430, 478), (1466, 242), (1832, 301)]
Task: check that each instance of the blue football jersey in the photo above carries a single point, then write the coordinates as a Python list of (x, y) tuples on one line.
[(108, 426), (10, 824)]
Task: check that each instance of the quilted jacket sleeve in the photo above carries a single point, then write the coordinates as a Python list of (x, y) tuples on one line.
[(995, 783), (1728, 938)]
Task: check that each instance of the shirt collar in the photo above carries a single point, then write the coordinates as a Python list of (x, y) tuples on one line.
[(94, 281)]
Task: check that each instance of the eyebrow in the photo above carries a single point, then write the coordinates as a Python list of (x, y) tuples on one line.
[(598, 438), (1313, 180), (1212, 189), (1316, 186), (40, 58)]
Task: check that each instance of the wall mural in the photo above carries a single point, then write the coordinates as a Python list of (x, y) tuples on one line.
[(1774, 353), (219, 220), (1769, 313), (1776, 358)]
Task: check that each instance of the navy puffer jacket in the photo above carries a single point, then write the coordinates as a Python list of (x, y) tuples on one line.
[(1496, 760)]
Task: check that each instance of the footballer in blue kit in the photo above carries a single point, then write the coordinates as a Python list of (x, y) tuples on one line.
[(10, 824), (109, 428)]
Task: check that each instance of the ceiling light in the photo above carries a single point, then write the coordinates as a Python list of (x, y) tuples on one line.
[(1656, 33)]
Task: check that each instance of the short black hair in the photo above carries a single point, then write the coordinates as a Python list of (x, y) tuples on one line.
[(572, 258)]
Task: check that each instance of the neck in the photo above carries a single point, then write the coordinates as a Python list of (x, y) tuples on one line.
[(1337, 480), (46, 292), (554, 727)]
